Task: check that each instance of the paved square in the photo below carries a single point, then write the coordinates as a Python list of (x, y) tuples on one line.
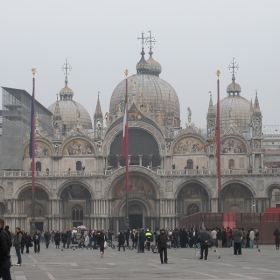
[(53, 263)]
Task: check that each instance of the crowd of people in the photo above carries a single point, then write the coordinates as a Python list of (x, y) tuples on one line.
[(141, 239)]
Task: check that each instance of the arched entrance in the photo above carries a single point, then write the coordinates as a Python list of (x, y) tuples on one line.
[(41, 206), (75, 200), (236, 198), (274, 196), (191, 199), (142, 196)]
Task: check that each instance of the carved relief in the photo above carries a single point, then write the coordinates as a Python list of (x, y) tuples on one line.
[(10, 188)]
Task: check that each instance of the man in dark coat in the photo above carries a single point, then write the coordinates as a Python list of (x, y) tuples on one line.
[(205, 240), (17, 244), (162, 245), (175, 236), (5, 258), (37, 240), (184, 238), (237, 238), (121, 240), (142, 239)]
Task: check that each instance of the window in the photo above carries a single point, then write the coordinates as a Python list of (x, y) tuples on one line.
[(38, 166), (189, 164), (78, 166), (77, 212)]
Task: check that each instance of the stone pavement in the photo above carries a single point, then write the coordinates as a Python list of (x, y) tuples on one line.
[(51, 264)]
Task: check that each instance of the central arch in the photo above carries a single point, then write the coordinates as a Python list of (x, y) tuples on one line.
[(192, 198)]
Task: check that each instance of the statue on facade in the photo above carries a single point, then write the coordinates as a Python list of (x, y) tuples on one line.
[(189, 114)]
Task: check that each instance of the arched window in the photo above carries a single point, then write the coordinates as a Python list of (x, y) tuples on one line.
[(78, 166), (189, 164), (38, 166)]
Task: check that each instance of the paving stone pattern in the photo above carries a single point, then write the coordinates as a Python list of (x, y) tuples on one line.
[(51, 264)]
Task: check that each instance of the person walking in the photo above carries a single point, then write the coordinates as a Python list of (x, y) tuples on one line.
[(175, 235), (121, 240), (57, 239), (23, 242), (257, 236), (101, 240), (28, 242), (37, 239), (142, 239), (17, 244), (5, 257), (47, 237), (68, 236), (162, 245), (149, 237), (251, 238), (276, 234), (237, 238), (205, 240)]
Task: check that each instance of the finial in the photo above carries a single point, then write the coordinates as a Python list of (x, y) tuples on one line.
[(218, 73), (143, 41), (33, 70), (126, 73), (152, 41), (210, 93), (98, 94), (57, 97), (234, 68), (256, 92), (66, 68)]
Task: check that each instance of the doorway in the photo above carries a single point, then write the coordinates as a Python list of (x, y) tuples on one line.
[(39, 226), (136, 221)]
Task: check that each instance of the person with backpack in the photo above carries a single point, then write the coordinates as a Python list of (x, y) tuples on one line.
[(149, 238)]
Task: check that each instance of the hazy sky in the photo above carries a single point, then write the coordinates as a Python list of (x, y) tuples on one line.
[(99, 39)]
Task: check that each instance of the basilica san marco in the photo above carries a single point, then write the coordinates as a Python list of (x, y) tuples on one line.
[(80, 174)]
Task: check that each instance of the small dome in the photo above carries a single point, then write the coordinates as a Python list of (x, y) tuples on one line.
[(142, 65), (70, 110), (154, 67), (233, 88), (235, 110)]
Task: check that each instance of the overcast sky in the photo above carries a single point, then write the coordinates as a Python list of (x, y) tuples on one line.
[(99, 39)]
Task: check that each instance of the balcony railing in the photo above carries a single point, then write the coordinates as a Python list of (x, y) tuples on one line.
[(160, 172), (203, 172), (54, 173)]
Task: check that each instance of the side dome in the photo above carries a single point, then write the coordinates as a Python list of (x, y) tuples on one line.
[(159, 95), (235, 109), (71, 112)]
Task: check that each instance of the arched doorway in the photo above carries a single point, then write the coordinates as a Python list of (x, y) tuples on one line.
[(41, 206), (274, 196), (192, 198), (142, 196), (236, 197), (75, 200)]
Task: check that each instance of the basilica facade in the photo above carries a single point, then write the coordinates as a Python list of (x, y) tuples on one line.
[(80, 174)]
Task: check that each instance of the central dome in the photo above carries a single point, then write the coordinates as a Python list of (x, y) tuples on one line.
[(157, 93)]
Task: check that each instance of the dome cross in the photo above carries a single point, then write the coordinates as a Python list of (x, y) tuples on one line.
[(152, 41), (234, 68), (66, 68)]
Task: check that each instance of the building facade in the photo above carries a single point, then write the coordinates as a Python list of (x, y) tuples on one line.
[(80, 174)]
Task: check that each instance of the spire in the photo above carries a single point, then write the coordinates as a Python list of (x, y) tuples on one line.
[(57, 114), (211, 110), (98, 112), (142, 65), (256, 104)]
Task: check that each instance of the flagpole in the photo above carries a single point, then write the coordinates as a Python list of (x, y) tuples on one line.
[(218, 151), (32, 134), (126, 154)]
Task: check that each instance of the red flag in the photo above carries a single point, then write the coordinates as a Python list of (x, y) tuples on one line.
[(125, 126)]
